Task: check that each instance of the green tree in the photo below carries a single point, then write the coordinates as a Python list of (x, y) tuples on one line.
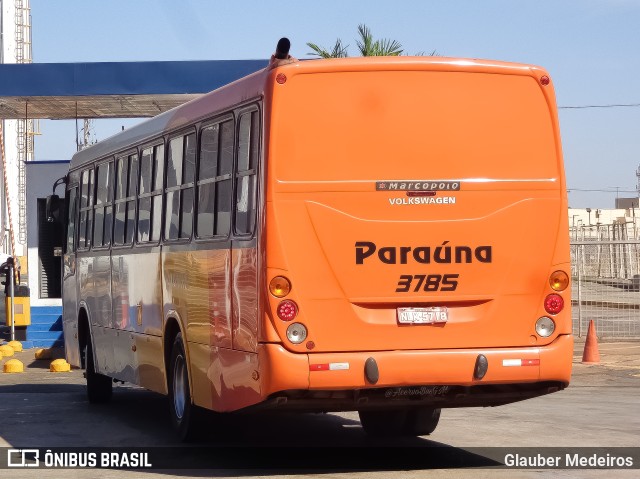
[(338, 51), (367, 46)]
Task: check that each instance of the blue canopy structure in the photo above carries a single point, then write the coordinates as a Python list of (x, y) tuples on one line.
[(111, 89)]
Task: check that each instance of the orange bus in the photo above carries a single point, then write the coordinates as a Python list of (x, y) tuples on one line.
[(381, 235)]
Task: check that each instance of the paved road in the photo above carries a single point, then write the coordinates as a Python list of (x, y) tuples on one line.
[(601, 408)]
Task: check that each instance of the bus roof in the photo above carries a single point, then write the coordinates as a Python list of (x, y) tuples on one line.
[(409, 63), (253, 86), (248, 87)]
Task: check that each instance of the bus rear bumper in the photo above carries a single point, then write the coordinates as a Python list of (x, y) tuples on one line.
[(444, 377)]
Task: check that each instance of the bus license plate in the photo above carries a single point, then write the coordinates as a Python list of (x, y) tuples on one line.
[(423, 315)]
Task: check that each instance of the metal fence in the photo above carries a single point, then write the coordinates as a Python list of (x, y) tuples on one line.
[(606, 287)]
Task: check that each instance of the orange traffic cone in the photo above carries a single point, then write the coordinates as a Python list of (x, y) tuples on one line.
[(591, 354)]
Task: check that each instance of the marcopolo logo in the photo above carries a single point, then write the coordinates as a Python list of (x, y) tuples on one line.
[(420, 192), (418, 185)]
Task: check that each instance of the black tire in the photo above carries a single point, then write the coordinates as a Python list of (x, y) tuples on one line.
[(183, 412), (421, 421), (385, 422), (99, 386)]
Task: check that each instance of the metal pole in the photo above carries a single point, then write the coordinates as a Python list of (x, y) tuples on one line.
[(11, 296), (579, 255)]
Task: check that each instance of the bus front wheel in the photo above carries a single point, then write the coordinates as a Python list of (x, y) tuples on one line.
[(99, 387), (181, 409)]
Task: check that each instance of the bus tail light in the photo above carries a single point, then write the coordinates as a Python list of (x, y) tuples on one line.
[(559, 280), (287, 310), (296, 333), (545, 327), (553, 304), (280, 286)]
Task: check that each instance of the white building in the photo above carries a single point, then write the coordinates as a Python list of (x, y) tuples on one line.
[(587, 224), (15, 47), (44, 261)]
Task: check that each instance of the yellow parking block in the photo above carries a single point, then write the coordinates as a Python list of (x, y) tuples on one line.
[(13, 366), (42, 353), (60, 366), (16, 345), (6, 350)]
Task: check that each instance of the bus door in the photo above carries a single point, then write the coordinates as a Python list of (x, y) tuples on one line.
[(244, 246), (69, 278), (123, 267), (94, 260)]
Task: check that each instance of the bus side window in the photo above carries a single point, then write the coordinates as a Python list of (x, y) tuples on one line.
[(72, 205), (158, 184), (125, 205), (86, 209), (103, 209), (225, 170), (181, 161), (174, 179), (130, 225), (186, 202), (121, 193), (248, 149), (214, 180), (144, 195)]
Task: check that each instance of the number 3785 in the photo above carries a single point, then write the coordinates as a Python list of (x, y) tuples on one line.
[(424, 282)]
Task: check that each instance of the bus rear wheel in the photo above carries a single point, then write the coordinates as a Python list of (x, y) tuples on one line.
[(384, 422), (99, 386), (419, 421), (181, 409)]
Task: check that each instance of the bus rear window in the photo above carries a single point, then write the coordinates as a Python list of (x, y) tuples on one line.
[(405, 125)]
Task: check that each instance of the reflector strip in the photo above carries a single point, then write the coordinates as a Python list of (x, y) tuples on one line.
[(338, 366), (318, 367), (531, 362), (512, 362), (520, 362), (329, 367)]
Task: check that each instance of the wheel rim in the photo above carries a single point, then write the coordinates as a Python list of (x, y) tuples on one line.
[(179, 386)]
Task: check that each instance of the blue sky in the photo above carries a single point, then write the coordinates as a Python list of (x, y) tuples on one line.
[(590, 47)]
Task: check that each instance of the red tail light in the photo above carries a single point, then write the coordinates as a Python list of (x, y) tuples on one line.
[(287, 310), (553, 304)]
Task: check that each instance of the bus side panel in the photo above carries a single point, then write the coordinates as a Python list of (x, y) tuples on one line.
[(70, 310), (139, 310), (175, 282), (209, 309), (223, 379), (149, 360), (94, 294), (245, 298), (205, 375), (102, 340), (122, 322)]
